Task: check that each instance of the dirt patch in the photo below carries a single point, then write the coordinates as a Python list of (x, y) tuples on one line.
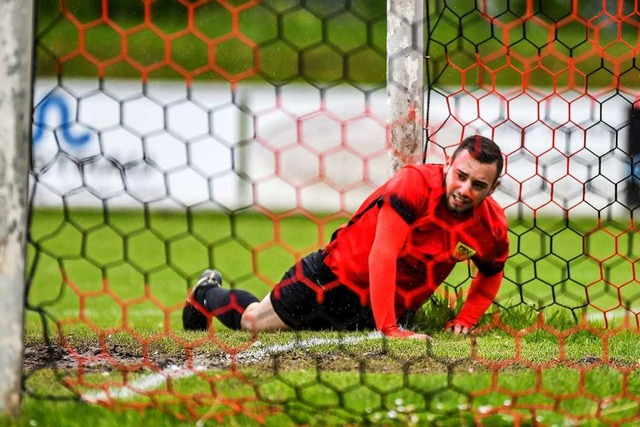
[(43, 356), (93, 358)]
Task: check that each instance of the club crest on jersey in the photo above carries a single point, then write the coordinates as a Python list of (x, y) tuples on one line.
[(462, 252)]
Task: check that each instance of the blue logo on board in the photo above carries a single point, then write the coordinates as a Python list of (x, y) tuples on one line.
[(56, 104)]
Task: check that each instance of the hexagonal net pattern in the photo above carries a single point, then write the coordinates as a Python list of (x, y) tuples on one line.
[(170, 136)]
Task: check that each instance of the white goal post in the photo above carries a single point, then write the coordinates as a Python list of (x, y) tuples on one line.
[(16, 47), (405, 80)]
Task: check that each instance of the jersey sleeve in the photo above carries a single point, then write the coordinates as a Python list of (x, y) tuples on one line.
[(482, 292), (408, 193), (496, 224), (489, 267), (390, 236), (404, 198), (486, 284)]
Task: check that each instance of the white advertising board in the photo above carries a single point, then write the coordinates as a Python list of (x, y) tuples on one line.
[(127, 144)]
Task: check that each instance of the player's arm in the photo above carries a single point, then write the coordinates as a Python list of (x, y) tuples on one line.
[(391, 233), (486, 283), (482, 292)]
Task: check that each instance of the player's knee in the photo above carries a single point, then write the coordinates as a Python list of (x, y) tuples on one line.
[(248, 320), (261, 317)]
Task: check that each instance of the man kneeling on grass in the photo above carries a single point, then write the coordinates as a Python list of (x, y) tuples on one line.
[(390, 257)]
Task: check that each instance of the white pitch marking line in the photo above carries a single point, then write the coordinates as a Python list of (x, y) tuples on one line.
[(137, 387), (148, 382)]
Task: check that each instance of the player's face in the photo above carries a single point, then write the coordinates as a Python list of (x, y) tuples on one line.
[(468, 182)]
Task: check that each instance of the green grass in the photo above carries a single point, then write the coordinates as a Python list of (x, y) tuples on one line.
[(273, 41), (149, 260), (133, 271), (278, 41), (378, 381), (145, 265), (437, 384)]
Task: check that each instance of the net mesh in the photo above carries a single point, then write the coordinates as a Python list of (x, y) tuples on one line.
[(174, 135)]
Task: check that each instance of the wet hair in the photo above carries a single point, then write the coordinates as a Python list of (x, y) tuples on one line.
[(483, 149)]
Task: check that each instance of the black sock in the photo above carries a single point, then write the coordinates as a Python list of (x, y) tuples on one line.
[(227, 305)]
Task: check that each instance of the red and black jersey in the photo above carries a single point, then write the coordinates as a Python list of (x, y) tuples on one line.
[(437, 239)]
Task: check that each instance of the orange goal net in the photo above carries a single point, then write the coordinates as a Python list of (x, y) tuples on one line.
[(170, 136)]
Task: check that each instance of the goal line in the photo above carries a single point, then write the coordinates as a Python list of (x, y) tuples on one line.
[(258, 352)]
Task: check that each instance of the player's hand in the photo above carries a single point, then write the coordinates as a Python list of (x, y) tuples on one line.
[(457, 329), (395, 332)]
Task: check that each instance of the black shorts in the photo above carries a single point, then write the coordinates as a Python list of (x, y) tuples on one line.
[(295, 299)]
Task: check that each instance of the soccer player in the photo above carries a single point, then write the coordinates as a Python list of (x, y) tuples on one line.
[(398, 247)]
